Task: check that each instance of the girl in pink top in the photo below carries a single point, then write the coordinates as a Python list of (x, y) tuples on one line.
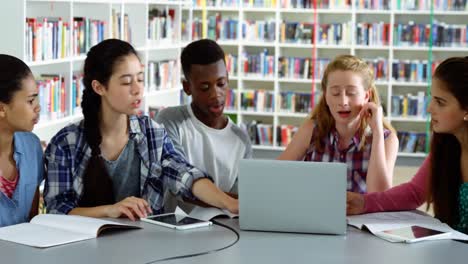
[(442, 180), (347, 126)]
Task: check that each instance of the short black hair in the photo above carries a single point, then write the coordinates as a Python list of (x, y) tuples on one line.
[(12, 72), (203, 52)]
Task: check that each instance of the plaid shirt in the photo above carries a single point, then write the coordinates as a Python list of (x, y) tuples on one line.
[(161, 168), (355, 159)]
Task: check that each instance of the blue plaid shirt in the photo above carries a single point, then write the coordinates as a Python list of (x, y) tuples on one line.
[(161, 168)]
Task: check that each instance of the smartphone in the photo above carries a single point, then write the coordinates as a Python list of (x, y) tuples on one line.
[(413, 233), (176, 221)]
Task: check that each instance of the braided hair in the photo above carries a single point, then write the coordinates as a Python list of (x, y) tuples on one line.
[(99, 65)]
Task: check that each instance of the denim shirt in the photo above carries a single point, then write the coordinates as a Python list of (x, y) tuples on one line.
[(29, 163)]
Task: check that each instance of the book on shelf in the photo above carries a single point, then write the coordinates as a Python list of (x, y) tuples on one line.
[(86, 33), (259, 133), (295, 102), (425, 5), (260, 3), (373, 34), (334, 34), (231, 100), (373, 5), (48, 230), (163, 75), (231, 64), (259, 30), (410, 105), (321, 4), (297, 32), (380, 67), (217, 3), (443, 34), (284, 134), (258, 100), (301, 68), (261, 65), (412, 142), (47, 38), (76, 93), (221, 29), (161, 25), (52, 96), (412, 70), (117, 24)]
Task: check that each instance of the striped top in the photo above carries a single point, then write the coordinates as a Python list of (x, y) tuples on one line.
[(356, 160)]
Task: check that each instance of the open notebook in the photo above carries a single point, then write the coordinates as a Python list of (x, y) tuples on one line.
[(47, 230), (377, 223)]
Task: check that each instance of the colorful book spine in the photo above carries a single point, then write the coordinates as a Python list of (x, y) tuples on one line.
[(373, 34), (47, 38), (217, 3), (334, 34), (412, 70), (76, 93), (284, 134), (231, 100), (322, 4), (260, 134), (86, 33), (231, 65), (424, 5), (260, 3), (410, 105), (301, 68), (258, 30), (161, 25), (163, 75), (52, 96), (258, 100), (373, 4), (297, 32), (219, 28), (443, 34), (294, 102), (258, 65), (380, 67), (412, 142)]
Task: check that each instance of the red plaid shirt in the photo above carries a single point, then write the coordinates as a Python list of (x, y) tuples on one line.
[(355, 159), (8, 187)]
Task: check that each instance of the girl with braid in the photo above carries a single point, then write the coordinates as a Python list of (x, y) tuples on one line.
[(114, 163)]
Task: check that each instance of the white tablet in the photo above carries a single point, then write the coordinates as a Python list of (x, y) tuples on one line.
[(176, 221), (413, 234)]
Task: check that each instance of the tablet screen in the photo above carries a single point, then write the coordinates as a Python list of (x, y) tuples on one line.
[(413, 232), (174, 219)]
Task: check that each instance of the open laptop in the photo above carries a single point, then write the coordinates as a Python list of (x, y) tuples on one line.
[(292, 196)]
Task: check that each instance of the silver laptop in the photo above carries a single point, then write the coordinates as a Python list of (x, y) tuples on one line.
[(292, 196)]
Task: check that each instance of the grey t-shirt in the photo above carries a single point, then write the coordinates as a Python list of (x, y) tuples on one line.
[(125, 172)]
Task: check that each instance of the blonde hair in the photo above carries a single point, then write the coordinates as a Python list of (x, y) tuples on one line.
[(324, 121)]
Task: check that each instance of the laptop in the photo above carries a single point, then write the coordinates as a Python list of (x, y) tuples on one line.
[(292, 196)]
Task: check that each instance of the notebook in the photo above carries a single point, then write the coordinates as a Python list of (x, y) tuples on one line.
[(292, 196)]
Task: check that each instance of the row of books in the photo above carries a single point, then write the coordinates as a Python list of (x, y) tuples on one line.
[(218, 3), (231, 64), (328, 34), (54, 98), (163, 75), (443, 35), (218, 28), (373, 4), (258, 30), (412, 142), (161, 25), (231, 100), (261, 64), (301, 68), (260, 3), (321, 4), (412, 70), (457, 5), (119, 23), (258, 100), (380, 68), (262, 134), (294, 102), (49, 37), (410, 105), (373, 34)]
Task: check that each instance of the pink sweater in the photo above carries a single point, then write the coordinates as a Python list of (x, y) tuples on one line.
[(406, 196)]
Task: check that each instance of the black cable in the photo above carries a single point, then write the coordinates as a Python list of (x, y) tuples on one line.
[(205, 252)]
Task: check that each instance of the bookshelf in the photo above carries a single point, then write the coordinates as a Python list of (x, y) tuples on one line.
[(128, 20), (385, 42)]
